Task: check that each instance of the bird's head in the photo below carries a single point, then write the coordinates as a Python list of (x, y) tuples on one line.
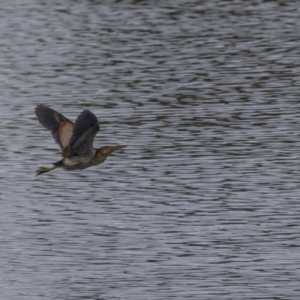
[(107, 150)]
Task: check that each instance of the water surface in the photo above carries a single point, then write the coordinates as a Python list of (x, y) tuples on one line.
[(204, 201)]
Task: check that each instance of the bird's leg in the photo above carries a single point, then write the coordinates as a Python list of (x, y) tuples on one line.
[(43, 170)]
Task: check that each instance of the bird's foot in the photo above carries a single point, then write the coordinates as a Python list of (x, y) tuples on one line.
[(43, 170)]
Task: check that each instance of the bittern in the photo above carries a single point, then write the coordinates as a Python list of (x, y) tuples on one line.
[(75, 140)]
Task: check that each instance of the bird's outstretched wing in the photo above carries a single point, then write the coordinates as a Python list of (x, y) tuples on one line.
[(85, 130), (60, 127)]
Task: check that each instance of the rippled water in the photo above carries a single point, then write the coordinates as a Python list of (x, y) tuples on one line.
[(204, 201)]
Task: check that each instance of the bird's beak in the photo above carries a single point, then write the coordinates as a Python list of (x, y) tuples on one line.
[(116, 148)]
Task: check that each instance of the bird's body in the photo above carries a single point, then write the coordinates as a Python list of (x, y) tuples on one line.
[(75, 140)]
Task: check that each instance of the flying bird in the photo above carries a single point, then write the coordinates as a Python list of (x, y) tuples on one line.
[(75, 140)]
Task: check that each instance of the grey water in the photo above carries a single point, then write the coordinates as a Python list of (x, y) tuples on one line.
[(204, 203)]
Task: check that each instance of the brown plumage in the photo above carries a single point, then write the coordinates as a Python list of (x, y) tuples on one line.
[(75, 140)]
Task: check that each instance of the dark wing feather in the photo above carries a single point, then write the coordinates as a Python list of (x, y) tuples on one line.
[(60, 127), (85, 130)]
